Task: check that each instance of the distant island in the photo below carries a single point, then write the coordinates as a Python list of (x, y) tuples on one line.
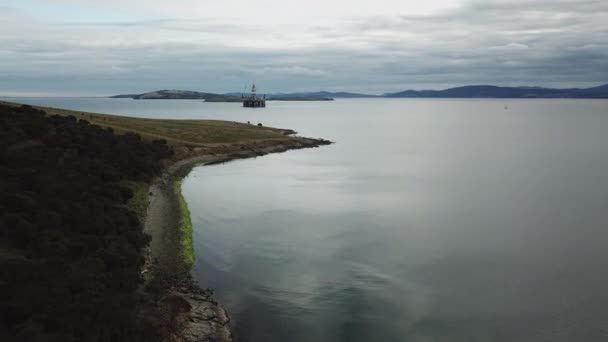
[(471, 91), (180, 95), (211, 97)]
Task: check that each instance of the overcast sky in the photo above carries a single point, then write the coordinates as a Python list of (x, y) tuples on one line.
[(105, 47)]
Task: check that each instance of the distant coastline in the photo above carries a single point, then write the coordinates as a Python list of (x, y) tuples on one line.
[(470, 91), (489, 91)]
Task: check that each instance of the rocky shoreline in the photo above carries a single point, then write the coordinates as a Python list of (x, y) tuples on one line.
[(201, 317)]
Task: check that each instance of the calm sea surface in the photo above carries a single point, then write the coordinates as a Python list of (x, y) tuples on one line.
[(428, 220)]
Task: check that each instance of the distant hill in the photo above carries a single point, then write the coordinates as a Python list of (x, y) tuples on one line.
[(472, 91), (211, 97), (488, 91), (311, 95), (601, 90), (180, 95)]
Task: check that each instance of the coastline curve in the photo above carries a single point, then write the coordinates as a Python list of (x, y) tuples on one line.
[(170, 255)]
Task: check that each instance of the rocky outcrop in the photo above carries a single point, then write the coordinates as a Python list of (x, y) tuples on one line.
[(207, 320)]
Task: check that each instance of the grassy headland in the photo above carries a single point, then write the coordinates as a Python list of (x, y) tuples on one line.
[(188, 133), (83, 195)]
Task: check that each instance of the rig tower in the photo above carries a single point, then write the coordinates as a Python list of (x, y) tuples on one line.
[(253, 100)]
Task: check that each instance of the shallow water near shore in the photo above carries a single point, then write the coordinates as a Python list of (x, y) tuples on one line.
[(428, 220)]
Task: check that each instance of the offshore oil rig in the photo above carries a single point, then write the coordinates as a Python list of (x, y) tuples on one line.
[(253, 100)]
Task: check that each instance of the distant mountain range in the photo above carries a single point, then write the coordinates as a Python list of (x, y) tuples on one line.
[(488, 91), (473, 91)]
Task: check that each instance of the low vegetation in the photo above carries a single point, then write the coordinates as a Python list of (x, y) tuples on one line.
[(139, 202), (70, 248), (185, 225)]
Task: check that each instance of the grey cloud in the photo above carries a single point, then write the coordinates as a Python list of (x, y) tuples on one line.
[(551, 43)]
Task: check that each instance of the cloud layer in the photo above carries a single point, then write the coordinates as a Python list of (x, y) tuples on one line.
[(535, 42)]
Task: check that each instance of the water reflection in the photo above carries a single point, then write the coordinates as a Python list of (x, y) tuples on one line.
[(433, 221), (429, 220)]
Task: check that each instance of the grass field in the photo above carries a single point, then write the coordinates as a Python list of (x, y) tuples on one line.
[(185, 225), (178, 132)]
